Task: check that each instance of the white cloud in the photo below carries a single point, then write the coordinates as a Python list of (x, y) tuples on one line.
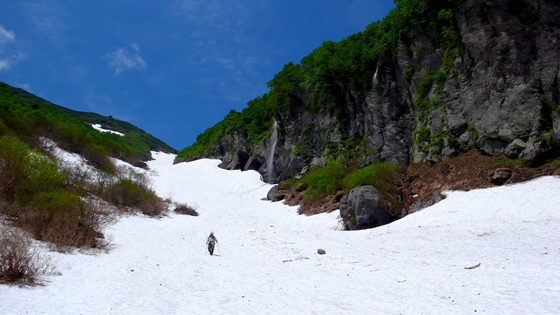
[(4, 64), (8, 54), (6, 36), (122, 59)]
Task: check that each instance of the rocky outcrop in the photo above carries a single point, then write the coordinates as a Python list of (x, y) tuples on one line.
[(495, 91), (499, 94), (364, 208)]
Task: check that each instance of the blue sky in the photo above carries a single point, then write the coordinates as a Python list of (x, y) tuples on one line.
[(173, 68)]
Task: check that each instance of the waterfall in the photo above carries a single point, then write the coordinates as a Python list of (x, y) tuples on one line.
[(375, 77), (270, 160)]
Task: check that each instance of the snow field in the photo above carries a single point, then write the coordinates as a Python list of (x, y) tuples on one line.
[(269, 262)]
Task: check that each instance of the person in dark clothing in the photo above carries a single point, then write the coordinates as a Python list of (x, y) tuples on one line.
[(211, 241)]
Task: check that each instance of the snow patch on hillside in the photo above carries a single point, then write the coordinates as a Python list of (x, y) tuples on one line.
[(98, 127)]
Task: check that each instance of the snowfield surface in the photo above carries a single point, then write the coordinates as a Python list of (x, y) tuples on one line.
[(268, 261)]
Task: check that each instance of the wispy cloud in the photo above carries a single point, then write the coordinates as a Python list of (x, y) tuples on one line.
[(46, 17), (213, 13), (6, 36), (24, 86), (98, 102), (9, 55), (223, 41), (123, 59)]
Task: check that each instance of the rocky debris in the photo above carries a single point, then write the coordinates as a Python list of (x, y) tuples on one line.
[(364, 208), (426, 202), (468, 171), (326, 204), (501, 176)]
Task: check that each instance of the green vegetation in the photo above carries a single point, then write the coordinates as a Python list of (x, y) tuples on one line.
[(324, 79), (28, 116), (473, 130), (423, 134), (341, 176), (35, 195), (61, 206), (28, 177)]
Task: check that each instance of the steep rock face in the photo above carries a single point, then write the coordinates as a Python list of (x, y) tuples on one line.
[(497, 91), (499, 99)]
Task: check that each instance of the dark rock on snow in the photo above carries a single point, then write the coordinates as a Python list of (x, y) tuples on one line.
[(273, 194), (364, 208)]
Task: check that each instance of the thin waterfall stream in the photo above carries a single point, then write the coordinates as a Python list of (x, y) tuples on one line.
[(270, 160)]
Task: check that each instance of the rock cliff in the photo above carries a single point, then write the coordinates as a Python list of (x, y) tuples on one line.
[(495, 89)]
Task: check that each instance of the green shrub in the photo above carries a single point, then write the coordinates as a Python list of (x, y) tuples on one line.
[(339, 176), (376, 174), (324, 180), (183, 208), (409, 72), (423, 134), (61, 201), (133, 192), (24, 173), (425, 84), (40, 201)]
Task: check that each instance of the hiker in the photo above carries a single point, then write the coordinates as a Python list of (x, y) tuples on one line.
[(211, 241)]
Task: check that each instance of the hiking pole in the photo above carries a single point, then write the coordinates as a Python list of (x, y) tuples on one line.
[(219, 252)]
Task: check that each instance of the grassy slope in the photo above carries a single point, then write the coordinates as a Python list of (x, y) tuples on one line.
[(27, 116)]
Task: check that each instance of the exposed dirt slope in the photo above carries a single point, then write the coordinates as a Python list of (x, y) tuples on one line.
[(468, 171)]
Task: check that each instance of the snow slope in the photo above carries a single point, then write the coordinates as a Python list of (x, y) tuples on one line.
[(269, 262)]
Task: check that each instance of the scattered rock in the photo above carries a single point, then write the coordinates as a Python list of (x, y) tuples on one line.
[(427, 202), (515, 148), (473, 267), (501, 176)]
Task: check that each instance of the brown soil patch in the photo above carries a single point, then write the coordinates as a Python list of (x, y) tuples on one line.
[(468, 171)]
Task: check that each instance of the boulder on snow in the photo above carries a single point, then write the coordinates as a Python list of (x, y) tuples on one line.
[(364, 208), (321, 251), (273, 194)]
